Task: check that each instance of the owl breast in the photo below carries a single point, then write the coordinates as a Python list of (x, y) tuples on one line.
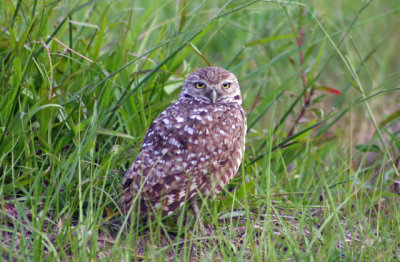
[(191, 148)]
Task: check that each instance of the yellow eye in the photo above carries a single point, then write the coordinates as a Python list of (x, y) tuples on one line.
[(226, 85), (199, 85)]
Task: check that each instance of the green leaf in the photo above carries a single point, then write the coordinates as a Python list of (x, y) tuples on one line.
[(390, 118), (183, 16), (103, 131), (352, 83), (39, 108), (83, 24), (197, 51), (269, 39), (100, 36), (368, 148), (319, 56)]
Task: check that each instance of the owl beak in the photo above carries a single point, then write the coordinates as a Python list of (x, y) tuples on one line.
[(214, 96)]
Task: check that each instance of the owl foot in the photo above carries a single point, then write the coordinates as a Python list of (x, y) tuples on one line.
[(201, 229)]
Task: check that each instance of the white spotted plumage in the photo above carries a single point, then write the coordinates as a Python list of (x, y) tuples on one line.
[(193, 147)]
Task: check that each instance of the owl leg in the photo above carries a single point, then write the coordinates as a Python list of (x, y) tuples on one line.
[(196, 213)]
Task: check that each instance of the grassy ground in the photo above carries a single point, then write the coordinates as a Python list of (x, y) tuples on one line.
[(81, 81)]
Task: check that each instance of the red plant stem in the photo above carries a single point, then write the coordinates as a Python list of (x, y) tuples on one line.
[(300, 44), (307, 98), (301, 114)]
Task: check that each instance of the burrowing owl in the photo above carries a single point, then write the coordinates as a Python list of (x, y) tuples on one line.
[(194, 147)]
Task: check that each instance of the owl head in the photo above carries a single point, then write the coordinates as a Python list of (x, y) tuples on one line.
[(211, 85)]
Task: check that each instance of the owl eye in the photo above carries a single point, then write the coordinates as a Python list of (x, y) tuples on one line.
[(199, 85), (226, 85)]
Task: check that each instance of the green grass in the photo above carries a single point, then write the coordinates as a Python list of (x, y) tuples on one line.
[(316, 183)]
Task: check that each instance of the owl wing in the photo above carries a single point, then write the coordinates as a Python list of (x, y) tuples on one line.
[(187, 149)]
